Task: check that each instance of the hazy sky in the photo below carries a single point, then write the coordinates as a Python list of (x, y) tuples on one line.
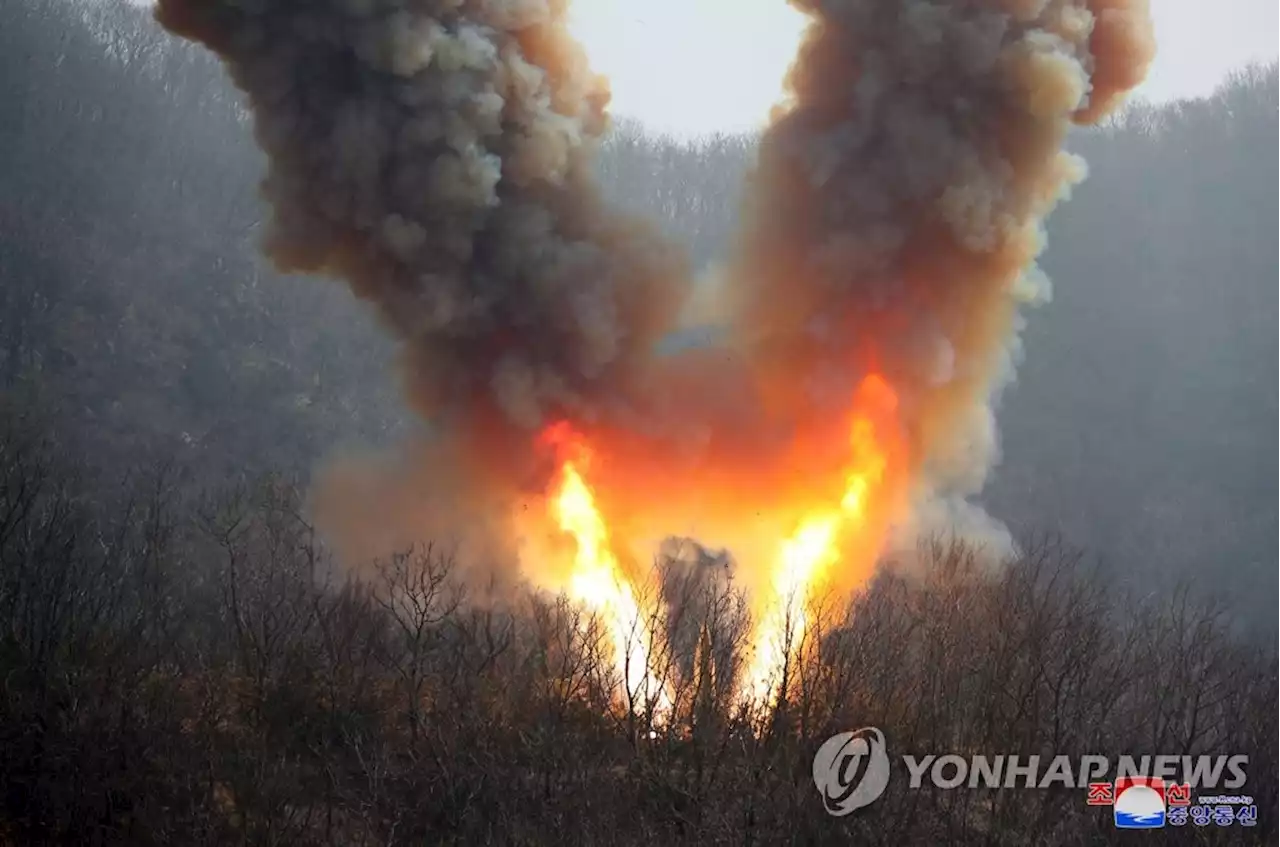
[(693, 66)]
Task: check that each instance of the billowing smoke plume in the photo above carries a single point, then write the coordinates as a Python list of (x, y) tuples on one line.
[(437, 154), (898, 207)]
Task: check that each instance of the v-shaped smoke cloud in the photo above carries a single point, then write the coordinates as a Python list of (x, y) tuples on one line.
[(437, 155)]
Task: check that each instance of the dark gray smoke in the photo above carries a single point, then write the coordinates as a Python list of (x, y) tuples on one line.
[(437, 155)]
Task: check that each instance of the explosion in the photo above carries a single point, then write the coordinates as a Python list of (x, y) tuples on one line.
[(438, 154), (597, 580), (815, 546)]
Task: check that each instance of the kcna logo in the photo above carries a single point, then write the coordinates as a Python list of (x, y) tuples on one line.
[(851, 770)]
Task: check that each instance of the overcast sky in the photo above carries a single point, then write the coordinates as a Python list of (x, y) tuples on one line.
[(695, 66)]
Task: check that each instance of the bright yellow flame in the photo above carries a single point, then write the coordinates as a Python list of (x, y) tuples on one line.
[(812, 549), (851, 525), (599, 583)]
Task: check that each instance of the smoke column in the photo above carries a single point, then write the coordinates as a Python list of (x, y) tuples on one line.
[(898, 207), (437, 155)]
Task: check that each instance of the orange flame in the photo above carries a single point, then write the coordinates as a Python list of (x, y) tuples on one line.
[(807, 556), (598, 581), (848, 529)]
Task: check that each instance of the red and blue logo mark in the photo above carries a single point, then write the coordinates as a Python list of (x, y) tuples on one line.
[(1148, 802), (1140, 802)]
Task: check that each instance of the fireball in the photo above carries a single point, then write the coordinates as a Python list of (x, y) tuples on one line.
[(832, 543), (806, 558), (597, 580)]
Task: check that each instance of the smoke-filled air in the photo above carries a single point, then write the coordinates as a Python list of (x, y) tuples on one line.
[(437, 155)]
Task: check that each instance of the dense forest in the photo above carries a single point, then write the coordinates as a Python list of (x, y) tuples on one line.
[(183, 664)]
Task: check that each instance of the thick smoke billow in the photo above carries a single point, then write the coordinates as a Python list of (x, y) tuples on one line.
[(898, 207), (437, 154)]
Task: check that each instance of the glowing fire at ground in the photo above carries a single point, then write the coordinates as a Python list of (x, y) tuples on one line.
[(808, 554), (598, 582), (845, 528)]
